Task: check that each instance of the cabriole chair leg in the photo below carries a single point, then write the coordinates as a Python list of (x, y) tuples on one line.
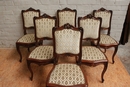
[(104, 70), (30, 69), (18, 50), (116, 48)]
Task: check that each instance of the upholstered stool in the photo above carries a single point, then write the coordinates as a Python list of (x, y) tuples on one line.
[(66, 75)]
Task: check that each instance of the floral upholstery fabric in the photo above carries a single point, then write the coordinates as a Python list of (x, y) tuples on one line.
[(66, 17), (67, 75), (92, 53), (28, 38), (44, 27), (64, 37), (106, 39), (105, 18), (91, 28), (42, 53), (28, 18)]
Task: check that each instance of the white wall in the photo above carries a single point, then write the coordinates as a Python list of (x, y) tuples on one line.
[(11, 23)]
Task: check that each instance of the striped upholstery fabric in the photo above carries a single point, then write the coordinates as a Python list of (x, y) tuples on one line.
[(44, 27), (67, 75), (66, 17), (91, 28), (28, 18), (64, 37), (92, 53), (28, 38), (42, 53), (105, 18)]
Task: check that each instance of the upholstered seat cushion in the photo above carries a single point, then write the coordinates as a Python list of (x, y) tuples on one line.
[(66, 74), (42, 53), (28, 38), (107, 40), (92, 53)]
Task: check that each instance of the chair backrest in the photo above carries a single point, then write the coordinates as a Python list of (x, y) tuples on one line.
[(67, 40), (43, 27), (66, 15), (106, 16), (27, 17), (91, 26)]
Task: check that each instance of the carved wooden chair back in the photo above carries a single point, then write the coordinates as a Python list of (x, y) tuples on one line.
[(66, 15), (67, 41)]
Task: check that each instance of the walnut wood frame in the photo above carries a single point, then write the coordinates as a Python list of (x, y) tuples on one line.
[(95, 63), (56, 85), (68, 26), (66, 9), (106, 46), (89, 16), (92, 62), (27, 45), (39, 42)]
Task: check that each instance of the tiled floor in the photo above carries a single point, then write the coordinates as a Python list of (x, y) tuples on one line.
[(16, 74)]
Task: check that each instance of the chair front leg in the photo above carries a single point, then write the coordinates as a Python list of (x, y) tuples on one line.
[(18, 50), (104, 70), (116, 48), (30, 69)]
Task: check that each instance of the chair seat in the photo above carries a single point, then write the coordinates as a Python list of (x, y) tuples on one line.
[(28, 38), (42, 53), (92, 53), (67, 74), (107, 40)]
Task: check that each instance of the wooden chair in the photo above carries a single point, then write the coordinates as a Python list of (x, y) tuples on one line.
[(67, 41), (66, 15), (92, 55), (42, 54), (106, 41), (28, 39)]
